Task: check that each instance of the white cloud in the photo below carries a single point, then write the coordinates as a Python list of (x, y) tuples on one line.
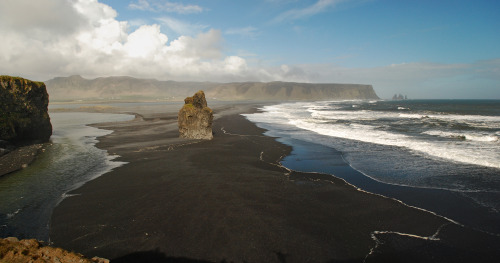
[(137, 22), (140, 5), (318, 7), (48, 38), (37, 17), (94, 43), (166, 6), (248, 31), (181, 27), (235, 65), (204, 46), (145, 42)]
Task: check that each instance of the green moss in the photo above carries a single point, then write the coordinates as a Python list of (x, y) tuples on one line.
[(189, 105), (12, 78), (5, 77)]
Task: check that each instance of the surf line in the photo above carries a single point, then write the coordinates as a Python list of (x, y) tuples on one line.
[(415, 186), (373, 234), (289, 171)]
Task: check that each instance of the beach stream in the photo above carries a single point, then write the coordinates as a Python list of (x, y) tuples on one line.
[(28, 197)]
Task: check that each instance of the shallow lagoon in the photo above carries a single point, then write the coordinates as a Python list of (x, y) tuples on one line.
[(28, 197)]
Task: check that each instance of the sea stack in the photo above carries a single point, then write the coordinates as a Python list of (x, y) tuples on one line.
[(24, 113), (195, 118)]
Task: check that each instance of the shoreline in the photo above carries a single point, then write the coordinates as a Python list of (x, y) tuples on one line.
[(290, 218), (460, 193), (441, 202), (68, 160)]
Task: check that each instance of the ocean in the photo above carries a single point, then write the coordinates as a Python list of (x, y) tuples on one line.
[(442, 156), (28, 197)]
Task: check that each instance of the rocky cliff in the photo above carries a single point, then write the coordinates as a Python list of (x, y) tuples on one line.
[(24, 110), (291, 91), (121, 88), (195, 118), (128, 88)]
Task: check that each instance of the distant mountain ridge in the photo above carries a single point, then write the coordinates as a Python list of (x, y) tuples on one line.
[(129, 88)]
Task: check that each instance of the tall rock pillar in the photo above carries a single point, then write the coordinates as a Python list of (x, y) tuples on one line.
[(195, 118)]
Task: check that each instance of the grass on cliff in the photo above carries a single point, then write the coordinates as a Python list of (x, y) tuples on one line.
[(12, 78)]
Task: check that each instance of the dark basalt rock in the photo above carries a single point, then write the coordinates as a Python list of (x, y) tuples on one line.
[(195, 118), (24, 113)]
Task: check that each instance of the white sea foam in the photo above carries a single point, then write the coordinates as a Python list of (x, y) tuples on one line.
[(426, 146), (464, 135), (359, 125)]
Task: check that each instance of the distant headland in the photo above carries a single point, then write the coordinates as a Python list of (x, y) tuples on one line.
[(129, 88)]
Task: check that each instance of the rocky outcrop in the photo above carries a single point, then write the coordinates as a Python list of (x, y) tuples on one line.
[(195, 118), (120, 88), (24, 110), (399, 97), (30, 250)]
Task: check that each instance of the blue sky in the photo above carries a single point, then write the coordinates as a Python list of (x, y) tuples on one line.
[(425, 49), (349, 33)]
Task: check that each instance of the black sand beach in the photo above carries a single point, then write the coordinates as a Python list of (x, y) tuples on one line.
[(229, 199)]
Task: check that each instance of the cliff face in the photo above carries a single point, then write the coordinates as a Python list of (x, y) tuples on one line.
[(291, 91), (78, 88), (24, 110), (195, 118)]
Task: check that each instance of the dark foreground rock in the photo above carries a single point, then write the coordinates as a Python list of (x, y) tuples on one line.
[(30, 250), (195, 118), (24, 110)]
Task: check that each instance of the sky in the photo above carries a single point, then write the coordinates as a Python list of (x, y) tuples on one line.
[(419, 48)]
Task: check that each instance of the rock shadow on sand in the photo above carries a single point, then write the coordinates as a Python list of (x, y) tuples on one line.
[(154, 256)]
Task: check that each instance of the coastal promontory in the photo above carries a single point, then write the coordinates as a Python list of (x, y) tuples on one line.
[(24, 110), (124, 88)]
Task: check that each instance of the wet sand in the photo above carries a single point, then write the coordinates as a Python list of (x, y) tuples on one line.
[(229, 199)]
